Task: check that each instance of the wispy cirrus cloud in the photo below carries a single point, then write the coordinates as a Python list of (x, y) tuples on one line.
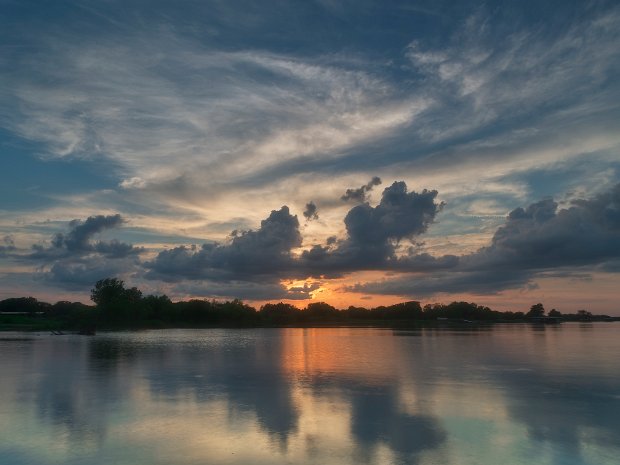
[(200, 107), (143, 100), (195, 122)]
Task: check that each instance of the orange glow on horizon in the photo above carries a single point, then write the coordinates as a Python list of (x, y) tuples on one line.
[(552, 292)]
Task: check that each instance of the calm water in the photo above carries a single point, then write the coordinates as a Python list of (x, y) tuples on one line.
[(506, 395)]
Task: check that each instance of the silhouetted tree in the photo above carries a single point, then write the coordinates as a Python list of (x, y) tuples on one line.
[(23, 304), (114, 302), (318, 311), (466, 311), (403, 311), (279, 313), (157, 307), (511, 315), (536, 310), (117, 306), (235, 311), (197, 312), (584, 315), (357, 313)]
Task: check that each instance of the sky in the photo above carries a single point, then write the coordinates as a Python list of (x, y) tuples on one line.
[(353, 152)]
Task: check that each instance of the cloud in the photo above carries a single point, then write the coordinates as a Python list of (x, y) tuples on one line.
[(265, 255), (533, 241), (374, 232), (137, 98), (245, 290), (197, 118), (525, 70), (250, 255), (541, 236), (451, 282), (134, 182), (75, 261), (141, 109), (9, 245), (311, 212), (83, 273), (359, 195), (77, 242), (400, 214), (583, 237)]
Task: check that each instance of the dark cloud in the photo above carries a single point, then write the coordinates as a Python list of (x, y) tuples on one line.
[(251, 255), (536, 241), (533, 240), (541, 237), (302, 292), (116, 249), (76, 274), (612, 266), (8, 245), (265, 255), (311, 212), (74, 261), (254, 263), (424, 262), (400, 214), (78, 241), (424, 285), (374, 232), (359, 195)]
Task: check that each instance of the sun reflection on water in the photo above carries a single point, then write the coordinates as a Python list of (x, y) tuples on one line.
[(314, 395)]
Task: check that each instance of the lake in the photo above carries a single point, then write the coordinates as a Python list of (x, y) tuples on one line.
[(498, 395)]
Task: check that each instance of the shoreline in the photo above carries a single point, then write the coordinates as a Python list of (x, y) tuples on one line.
[(56, 329)]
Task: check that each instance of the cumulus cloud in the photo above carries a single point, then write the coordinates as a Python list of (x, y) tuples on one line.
[(311, 211), (82, 273), (8, 245), (374, 232), (360, 194), (400, 214), (78, 241), (81, 232), (532, 241), (250, 255), (450, 282), (74, 261), (266, 255), (541, 236), (302, 292)]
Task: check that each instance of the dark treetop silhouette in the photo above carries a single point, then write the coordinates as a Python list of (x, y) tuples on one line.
[(121, 307)]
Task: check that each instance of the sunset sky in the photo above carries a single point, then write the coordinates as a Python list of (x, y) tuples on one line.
[(356, 152)]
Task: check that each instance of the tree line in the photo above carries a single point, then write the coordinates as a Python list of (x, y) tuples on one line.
[(117, 306)]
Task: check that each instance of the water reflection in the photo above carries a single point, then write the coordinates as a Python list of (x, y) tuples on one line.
[(571, 409), (368, 378), (377, 420), (244, 373), (74, 405), (332, 395)]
